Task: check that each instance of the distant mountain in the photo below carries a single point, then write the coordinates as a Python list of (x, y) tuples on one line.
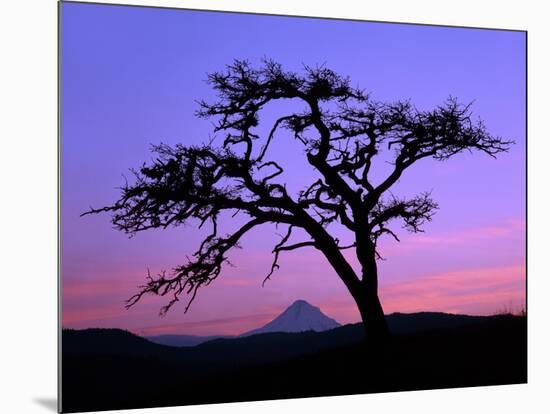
[(298, 317), (182, 340)]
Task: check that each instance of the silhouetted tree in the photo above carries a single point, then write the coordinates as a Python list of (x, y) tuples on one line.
[(342, 131)]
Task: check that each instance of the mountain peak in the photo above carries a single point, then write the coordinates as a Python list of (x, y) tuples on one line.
[(301, 316), (299, 303)]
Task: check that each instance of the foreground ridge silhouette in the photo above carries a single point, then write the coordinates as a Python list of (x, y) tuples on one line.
[(115, 369)]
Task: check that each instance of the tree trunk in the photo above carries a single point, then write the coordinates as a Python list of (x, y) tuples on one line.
[(364, 290), (366, 297), (372, 316)]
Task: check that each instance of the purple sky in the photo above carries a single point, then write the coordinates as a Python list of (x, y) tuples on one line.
[(130, 78)]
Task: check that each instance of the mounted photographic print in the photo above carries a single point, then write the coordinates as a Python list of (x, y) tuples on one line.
[(259, 207)]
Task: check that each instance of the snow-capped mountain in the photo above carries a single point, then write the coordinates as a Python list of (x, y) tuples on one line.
[(298, 317)]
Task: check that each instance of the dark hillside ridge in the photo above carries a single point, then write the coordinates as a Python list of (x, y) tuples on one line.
[(271, 346), (114, 369)]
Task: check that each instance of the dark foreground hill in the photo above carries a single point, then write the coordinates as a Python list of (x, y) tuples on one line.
[(114, 369)]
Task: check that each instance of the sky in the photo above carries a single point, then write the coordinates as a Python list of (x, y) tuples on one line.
[(131, 78)]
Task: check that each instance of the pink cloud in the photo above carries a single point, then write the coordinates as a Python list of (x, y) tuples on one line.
[(76, 318), (480, 291), (508, 228), (75, 289), (237, 282), (470, 291), (222, 326)]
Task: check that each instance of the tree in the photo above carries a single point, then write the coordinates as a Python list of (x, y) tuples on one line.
[(342, 131)]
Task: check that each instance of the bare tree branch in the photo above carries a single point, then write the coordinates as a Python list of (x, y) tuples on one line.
[(344, 134)]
